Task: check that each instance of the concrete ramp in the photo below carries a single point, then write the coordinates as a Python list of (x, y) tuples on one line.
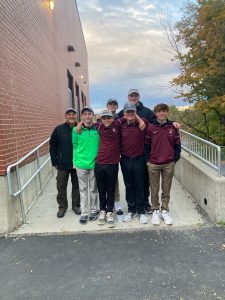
[(41, 219)]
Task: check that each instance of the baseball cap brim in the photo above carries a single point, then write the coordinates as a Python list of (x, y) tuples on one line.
[(87, 108), (70, 110)]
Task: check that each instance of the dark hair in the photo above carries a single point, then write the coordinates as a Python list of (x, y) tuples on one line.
[(161, 106)]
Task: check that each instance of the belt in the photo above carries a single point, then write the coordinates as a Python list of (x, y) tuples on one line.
[(132, 158)]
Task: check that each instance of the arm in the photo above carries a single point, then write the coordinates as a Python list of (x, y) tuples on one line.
[(79, 127), (54, 148), (177, 146), (147, 148), (141, 122), (176, 125), (74, 142), (177, 151)]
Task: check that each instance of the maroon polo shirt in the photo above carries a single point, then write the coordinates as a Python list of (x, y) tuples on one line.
[(109, 147), (132, 139), (162, 138)]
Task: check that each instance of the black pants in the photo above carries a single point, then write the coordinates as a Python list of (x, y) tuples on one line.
[(133, 175), (146, 188), (106, 177), (62, 182)]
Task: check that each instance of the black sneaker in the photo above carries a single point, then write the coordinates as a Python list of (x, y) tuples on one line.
[(93, 216), (148, 209), (77, 210), (84, 219), (61, 212)]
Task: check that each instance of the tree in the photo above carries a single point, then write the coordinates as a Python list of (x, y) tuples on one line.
[(201, 31)]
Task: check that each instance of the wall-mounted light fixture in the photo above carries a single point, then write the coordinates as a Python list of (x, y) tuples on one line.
[(51, 4), (70, 48), (81, 76), (77, 64)]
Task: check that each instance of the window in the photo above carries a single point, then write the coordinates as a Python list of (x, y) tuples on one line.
[(83, 99), (70, 89), (77, 101)]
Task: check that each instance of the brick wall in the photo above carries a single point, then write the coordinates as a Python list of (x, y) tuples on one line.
[(33, 71)]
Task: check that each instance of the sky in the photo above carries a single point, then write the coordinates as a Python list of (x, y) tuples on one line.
[(127, 48)]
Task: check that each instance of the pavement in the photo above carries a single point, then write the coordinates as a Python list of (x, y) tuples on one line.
[(57, 259), (41, 219), (155, 264)]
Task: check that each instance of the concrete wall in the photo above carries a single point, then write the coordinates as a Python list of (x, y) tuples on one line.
[(203, 184), (10, 212)]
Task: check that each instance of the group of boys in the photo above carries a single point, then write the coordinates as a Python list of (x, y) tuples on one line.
[(145, 144)]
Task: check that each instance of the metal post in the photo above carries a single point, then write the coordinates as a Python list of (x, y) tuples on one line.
[(20, 195), (219, 160), (39, 173)]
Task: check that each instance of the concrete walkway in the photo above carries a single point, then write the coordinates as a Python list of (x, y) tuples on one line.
[(41, 219)]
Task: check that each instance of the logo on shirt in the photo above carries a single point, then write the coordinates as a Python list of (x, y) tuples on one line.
[(154, 131), (171, 131)]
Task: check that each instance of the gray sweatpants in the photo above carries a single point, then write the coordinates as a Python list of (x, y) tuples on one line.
[(88, 187)]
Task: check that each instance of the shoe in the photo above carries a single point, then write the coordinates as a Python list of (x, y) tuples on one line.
[(166, 217), (93, 216), (129, 217), (61, 212), (109, 218), (101, 218), (118, 209), (148, 210), (83, 219), (77, 210), (156, 217), (143, 219)]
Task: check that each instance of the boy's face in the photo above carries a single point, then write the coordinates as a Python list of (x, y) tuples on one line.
[(133, 98), (162, 115), (106, 121), (112, 107), (130, 115), (87, 116)]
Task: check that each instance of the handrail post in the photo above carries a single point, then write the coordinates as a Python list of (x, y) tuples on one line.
[(20, 195), (219, 160), (39, 173)]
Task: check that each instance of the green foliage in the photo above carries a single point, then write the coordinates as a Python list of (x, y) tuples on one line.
[(200, 123), (202, 65)]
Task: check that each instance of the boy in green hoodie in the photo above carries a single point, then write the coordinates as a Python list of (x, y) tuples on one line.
[(85, 149)]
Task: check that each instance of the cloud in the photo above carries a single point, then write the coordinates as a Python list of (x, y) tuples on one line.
[(127, 47)]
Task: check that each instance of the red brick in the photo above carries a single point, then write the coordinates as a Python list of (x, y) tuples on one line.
[(33, 72)]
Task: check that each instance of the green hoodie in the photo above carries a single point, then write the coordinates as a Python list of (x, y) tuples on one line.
[(85, 147)]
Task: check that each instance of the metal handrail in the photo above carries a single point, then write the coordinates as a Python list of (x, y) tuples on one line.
[(22, 187), (204, 150)]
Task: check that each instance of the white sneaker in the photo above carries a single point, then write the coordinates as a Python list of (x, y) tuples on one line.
[(143, 219), (117, 207), (101, 218), (109, 217), (129, 217), (156, 217), (166, 217)]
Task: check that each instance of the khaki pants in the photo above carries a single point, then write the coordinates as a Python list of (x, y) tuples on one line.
[(88, 188), (166, 172)]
